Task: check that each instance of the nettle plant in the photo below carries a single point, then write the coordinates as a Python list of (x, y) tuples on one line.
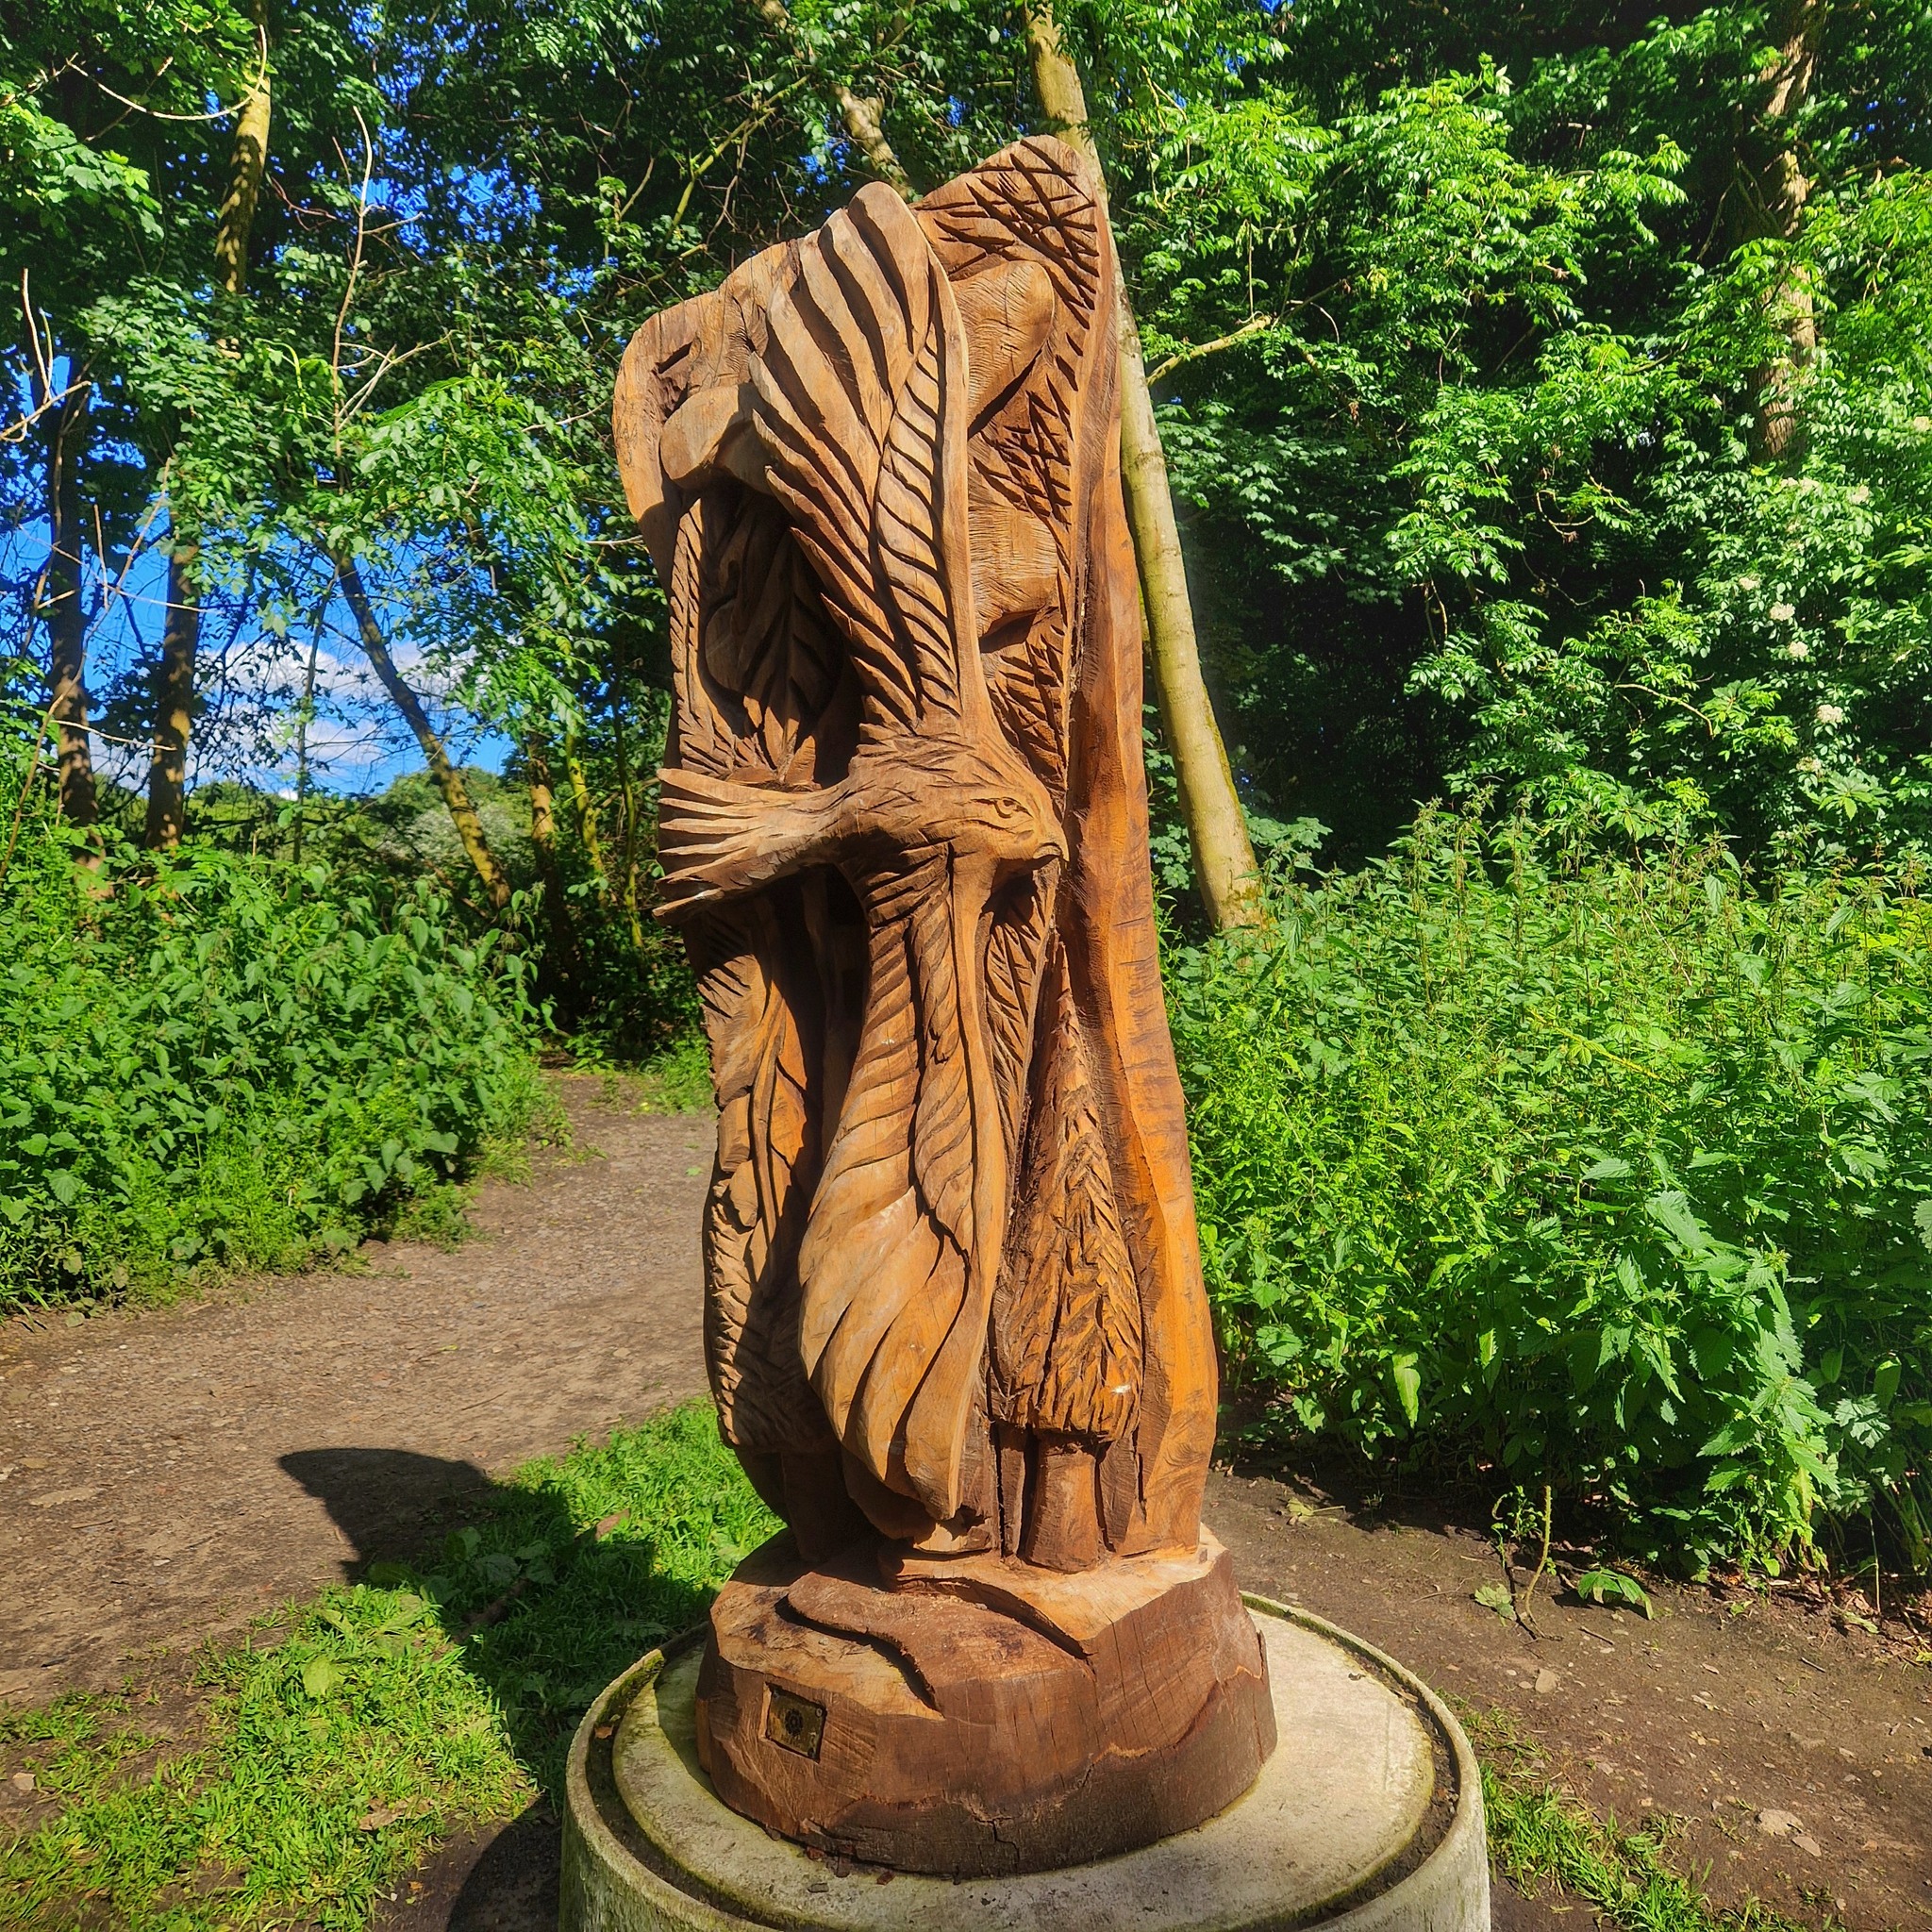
[(1612, 1176), (214, 1060)]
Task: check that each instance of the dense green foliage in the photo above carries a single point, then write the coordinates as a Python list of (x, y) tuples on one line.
[(1465, 320), (1490, 499), (1610, 1175), (214, 1060), (382, 1716)]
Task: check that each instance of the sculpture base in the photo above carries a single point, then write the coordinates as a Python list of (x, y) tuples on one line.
[(970, 1715), (1367, 1818)]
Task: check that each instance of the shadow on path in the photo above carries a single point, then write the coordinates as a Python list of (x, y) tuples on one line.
[(502, 1879), (388, 1501)]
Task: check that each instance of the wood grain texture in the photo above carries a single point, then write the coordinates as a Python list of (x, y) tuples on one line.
[(978, 1715), (954, 1297), (950, 1223)]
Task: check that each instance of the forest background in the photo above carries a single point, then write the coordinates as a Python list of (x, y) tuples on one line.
[(1546, 396)]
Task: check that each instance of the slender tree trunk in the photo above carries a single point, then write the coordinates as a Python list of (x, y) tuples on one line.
[(861, 118), (167, 778), (304, 717), (449, 782), (1224, 864), (1783, 191), (563, 939), (247, 168), (587, 815), (167, 772), (630, 825), (63, 609)]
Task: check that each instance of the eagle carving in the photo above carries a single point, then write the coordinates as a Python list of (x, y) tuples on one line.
[(953, 1292)]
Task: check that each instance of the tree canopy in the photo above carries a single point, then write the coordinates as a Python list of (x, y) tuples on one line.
[(1545, 387)]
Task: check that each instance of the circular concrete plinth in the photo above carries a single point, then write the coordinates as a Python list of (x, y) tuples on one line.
[(1367, 1818)]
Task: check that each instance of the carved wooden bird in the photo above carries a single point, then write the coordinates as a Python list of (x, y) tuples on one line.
[(860, 418)]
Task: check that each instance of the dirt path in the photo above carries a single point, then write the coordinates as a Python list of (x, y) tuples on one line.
[(1720, 1714), (166, 1474)]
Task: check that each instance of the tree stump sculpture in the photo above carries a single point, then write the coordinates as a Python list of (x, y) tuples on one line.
[(955, 1321)]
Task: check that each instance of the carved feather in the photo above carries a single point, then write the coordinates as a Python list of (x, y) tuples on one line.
[(755, 1206), (896, 1266), (862, 395), (1066, 1318)]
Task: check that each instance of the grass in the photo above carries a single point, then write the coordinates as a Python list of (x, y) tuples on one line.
[(329, 1752), (675, 1080)]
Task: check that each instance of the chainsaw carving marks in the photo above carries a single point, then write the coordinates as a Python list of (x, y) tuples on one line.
[(945, 1278)]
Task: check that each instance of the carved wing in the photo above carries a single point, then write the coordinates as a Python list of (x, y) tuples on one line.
[(862, 397), (754, 668), (897, 1259)]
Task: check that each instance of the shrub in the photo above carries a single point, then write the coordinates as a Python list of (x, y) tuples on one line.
[(1612, 1174), (218, 1061)]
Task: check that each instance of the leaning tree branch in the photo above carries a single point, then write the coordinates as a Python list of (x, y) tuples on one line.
[(1193, 352)]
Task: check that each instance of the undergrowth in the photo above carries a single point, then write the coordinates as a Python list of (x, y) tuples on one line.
[(1607, 1175), (212, 1062), (349, 1735)]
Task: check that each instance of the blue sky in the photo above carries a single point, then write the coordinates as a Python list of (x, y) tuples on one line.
[(357, 742)]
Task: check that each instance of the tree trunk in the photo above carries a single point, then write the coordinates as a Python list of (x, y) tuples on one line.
[(630, 823), (304, 717), (1224, 864), (63, 609), (861, 118), (449, 782), (543, 843), (1783, 191), (247, 167), (587, 815), (167, 772), (167, 777)]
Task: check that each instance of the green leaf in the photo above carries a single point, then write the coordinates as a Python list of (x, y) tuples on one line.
[(1613, 1585), (321, 1675), (1409, 1384), (1497, 1597)]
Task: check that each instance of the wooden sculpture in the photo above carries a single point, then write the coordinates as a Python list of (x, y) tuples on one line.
[(955, 1319)]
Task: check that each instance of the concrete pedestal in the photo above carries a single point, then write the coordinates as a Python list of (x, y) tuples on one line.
[(1367, 1818)]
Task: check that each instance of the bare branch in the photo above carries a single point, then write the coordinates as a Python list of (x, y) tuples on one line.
[(253, 88), (17, 431), (335, 362)]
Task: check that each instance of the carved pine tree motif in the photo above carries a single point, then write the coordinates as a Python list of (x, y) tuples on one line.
[(952, 1282)]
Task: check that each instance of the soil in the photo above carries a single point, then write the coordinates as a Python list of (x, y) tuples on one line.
[(164, 1476), (1793, 1756), (168, 1475)]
